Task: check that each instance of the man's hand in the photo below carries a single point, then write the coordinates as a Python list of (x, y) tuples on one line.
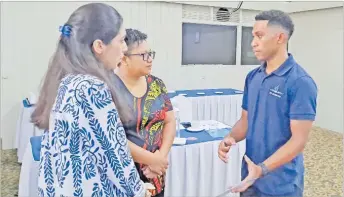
[(224, 147), (237, 134), (254, 173)]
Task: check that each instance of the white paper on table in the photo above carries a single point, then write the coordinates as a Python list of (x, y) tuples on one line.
[(221, 125), (209, 123), (179, 141)]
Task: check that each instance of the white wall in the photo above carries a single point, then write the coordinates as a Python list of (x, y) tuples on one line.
[(301, 6), (318, 46), (250, 5), (29, 32), (294, 6)]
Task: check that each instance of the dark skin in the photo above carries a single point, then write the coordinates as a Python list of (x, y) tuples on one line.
[(269, 44)]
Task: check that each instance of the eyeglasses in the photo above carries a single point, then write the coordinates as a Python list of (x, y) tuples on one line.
[(145, 56)]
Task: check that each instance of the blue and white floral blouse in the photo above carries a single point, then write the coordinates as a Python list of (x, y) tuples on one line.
[(85, 151)]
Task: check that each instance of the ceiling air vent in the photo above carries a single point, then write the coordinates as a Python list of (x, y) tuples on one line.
[(226, 15), (222, 15)]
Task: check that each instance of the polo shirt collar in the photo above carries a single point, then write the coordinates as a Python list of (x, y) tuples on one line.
[(283, 69)]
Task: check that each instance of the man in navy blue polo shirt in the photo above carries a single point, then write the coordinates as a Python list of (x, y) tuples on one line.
[(278, 110)]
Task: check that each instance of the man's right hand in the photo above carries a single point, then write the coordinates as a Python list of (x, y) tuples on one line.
[(160, 163), (224, 147)]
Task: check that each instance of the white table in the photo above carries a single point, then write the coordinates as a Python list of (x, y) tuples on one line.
[(224, 107), (25, 130), (196, 170), (28, 180)]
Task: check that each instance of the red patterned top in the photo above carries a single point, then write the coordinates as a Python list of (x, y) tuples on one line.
[(146, 129)]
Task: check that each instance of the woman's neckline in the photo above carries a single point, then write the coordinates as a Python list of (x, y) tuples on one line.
[(122, 82)]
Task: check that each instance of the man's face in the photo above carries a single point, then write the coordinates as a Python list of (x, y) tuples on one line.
[(266, 40)]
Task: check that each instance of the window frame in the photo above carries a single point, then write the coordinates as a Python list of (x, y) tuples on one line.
[(250, 26), (209, 23), (238, 40)]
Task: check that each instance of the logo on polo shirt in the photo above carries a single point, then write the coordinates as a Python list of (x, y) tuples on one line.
[(275, 92)]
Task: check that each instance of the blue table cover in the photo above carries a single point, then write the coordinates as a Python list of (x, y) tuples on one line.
[(36, 147), (202, 136), (190, 93), (207, 92)]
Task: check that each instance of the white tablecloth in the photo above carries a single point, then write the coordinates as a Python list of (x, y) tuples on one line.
[(25, 130), (28, 182), (226, 108), (196, 170)]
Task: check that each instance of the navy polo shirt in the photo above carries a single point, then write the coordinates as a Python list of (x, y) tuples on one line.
[(271, 101)]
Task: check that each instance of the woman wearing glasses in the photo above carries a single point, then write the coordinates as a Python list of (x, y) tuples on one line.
[(151, 129)]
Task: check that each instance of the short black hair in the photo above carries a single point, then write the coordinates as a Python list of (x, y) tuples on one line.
[(133, 37), (279, 18)]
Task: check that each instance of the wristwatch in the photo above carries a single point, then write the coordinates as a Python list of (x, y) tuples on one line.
[(265, 170)]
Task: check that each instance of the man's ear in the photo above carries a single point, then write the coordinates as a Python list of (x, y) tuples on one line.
[(282, 38)]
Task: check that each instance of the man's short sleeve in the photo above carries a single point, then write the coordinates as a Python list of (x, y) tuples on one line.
[(303, 102), (245, 96)]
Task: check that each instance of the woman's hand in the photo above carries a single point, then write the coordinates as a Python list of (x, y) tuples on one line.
[(149, 173), (159, 164)]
